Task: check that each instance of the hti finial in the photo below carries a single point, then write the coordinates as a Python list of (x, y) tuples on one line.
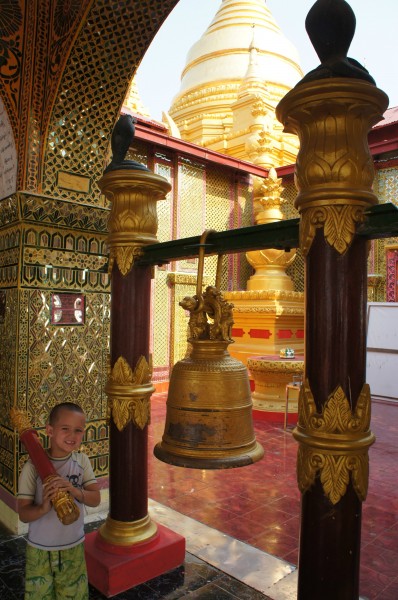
[(330, 25)]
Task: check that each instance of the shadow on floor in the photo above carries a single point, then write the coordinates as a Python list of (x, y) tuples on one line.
[(194, 579)]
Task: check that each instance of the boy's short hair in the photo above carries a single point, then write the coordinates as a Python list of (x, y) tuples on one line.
[(54, 414)]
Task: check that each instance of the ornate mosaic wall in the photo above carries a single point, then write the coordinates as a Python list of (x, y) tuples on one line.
[(84, 54), (48, 248)]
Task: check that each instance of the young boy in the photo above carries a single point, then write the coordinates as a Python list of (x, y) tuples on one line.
[(55, 563)]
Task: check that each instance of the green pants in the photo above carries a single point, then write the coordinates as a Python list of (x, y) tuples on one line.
[(56, 574)]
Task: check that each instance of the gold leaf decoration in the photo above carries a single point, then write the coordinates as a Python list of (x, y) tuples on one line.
[(141, 412), (20, 420), (335, 477), (359, 468), (334, 443), (125, 257), (129, 393), (143, 371), (339, 225), (121, 372), (121, 413), (305, 471)]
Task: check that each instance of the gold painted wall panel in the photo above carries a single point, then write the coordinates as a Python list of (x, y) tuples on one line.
[(165, 207), (161, 299), (220, 212), (190, 206)]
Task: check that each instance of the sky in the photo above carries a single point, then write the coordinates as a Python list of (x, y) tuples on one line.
[(375, 44)]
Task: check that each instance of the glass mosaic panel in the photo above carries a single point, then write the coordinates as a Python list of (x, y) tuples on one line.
[(8, 357), (58, 363), (93, 85), (296, 269), (161, 326), (190, 217), (9, 256), (8, 210), (387, 184)]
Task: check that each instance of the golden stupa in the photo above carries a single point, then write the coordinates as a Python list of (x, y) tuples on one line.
[(234, 77)]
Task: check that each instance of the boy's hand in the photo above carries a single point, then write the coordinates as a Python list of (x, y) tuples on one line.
[(57, 484), (46, 501)]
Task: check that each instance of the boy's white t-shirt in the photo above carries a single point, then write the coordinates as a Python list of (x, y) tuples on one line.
[(48, 533)]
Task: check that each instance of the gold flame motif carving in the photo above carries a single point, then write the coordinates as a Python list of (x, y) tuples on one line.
[(334, 443), (129, 393), (338, 222), (125, 257)]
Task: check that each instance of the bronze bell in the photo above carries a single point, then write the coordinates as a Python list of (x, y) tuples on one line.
[(209, 407)]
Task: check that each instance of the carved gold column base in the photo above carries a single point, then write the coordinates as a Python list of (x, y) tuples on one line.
[(334, 444), (128, 533)]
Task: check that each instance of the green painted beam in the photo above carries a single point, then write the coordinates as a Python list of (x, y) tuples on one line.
[(382, 222)]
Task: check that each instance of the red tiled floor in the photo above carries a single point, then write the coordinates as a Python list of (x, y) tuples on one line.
[(260, 504)]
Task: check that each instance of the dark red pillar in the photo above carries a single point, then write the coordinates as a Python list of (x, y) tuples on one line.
[(332, 110), (130, 548)]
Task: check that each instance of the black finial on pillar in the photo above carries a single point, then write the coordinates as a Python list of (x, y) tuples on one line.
[(121, 140), (330, 25)]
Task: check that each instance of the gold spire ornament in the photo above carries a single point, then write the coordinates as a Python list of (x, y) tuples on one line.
[(209, 407)]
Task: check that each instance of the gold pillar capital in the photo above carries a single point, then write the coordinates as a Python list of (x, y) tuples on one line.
[(334, 167), (133, 219)]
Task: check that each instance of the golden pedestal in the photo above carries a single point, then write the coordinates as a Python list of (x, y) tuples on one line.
[(271, 375)]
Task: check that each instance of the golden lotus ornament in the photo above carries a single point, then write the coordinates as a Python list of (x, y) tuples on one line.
[(209, 421)]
